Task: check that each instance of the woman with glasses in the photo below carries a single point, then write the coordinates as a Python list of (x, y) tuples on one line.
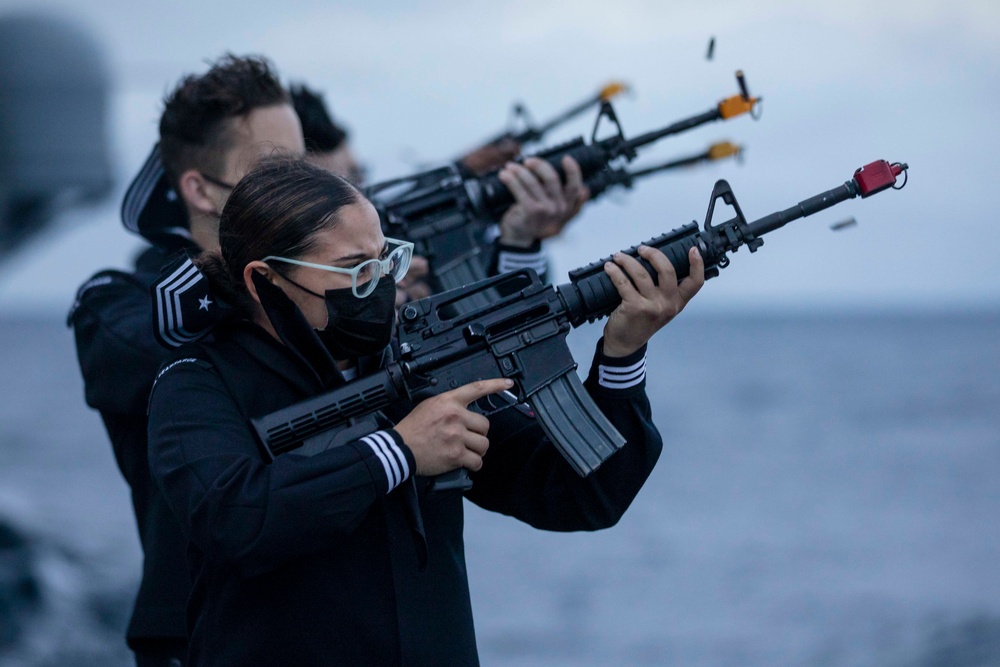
[(348, 556)]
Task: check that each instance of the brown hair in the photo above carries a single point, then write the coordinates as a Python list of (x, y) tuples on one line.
[(276, 209), (195, 131)]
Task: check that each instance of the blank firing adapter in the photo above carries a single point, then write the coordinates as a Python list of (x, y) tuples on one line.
[(742, 103)]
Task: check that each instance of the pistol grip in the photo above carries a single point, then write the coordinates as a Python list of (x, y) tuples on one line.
[(456, 480)]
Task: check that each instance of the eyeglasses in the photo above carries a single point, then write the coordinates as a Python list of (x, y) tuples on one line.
[(365, 276)]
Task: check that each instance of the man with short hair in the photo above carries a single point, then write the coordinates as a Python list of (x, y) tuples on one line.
[(214, 127)]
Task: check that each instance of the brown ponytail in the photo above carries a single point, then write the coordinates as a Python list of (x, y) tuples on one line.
[(214, 268)]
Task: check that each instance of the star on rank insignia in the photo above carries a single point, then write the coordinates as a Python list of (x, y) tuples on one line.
[(181, 315)]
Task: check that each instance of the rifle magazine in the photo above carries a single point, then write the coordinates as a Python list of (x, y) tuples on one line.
[(572, 420)]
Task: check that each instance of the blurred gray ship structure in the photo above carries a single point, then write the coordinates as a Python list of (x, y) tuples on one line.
[(55, 609), (54, 149)]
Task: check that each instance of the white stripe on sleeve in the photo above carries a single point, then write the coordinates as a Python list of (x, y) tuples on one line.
[(621, 377), (396, 454), (392, 458), (512, 261)]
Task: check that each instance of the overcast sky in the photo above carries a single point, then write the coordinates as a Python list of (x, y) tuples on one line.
[(844, 83)]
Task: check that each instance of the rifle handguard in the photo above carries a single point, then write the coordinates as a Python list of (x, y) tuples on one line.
[(591, 294)]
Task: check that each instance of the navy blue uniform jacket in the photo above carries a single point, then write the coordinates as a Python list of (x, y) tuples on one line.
[(315, 560), (119, 358)]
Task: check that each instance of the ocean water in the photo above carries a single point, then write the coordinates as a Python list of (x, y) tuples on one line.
[(829, 494)]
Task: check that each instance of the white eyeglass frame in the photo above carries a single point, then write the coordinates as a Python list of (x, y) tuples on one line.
[(383, 266)]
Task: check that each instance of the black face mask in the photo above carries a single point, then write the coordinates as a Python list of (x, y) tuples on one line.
[(359, 327)]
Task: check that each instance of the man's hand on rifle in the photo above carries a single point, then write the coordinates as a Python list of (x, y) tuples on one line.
[(444, 434), (647, 307), (543, 204)]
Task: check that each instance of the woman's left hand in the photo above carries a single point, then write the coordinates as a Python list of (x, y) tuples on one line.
[(647, 307)]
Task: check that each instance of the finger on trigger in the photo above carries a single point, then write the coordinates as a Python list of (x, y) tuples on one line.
[(469, 393)]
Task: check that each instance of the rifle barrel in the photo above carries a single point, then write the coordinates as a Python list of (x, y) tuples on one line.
[(804, 208), (590, 294), (675, 128), (673, 164)]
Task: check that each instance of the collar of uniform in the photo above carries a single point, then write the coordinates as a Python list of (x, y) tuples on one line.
[(152, 208), (276, 356), (270, 353)]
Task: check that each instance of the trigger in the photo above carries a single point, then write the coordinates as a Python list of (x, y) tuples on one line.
[(488, 405)]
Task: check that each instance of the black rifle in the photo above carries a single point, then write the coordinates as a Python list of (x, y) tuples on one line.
[(603, 181), (522, 336), (531, 132), (446, 215)]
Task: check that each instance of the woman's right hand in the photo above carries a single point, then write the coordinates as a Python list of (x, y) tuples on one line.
[(444, 434)]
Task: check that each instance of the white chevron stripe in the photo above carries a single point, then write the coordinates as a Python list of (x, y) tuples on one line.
[(621, 377), (141, 189), (626, 369), (522, 257), (397, 453), (393, 463), (371, 442), (507, 261), (168, 307), (397, 470)]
